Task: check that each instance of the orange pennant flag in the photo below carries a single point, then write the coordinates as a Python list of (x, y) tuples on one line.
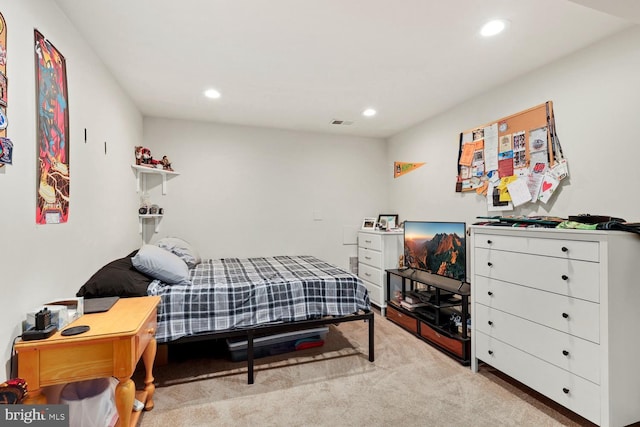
[(401, 168)]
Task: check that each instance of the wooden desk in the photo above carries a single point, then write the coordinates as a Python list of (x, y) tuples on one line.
[(111, 348)]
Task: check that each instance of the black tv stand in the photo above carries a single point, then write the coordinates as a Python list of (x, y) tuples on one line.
[(424, 304)]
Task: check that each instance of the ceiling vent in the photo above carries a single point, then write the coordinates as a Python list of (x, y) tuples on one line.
[(342, 122)]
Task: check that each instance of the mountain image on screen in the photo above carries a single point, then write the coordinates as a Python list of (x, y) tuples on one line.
[(443, 254)]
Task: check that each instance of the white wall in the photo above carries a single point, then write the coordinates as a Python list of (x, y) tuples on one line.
[(247, 191), (596, 98), (41, 262)]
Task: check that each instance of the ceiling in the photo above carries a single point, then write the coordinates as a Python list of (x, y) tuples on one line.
[(300, 64)]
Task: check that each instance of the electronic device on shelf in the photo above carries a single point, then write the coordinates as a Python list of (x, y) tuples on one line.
[(437, 247), (594, 219), (43, 328), (432, 296)]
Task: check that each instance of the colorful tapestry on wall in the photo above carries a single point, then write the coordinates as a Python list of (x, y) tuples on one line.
[(6, 146), (53, 134)]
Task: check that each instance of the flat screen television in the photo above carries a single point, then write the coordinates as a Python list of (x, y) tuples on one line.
[(436, 247)]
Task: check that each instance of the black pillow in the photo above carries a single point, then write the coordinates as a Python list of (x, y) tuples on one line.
[(119, 278)]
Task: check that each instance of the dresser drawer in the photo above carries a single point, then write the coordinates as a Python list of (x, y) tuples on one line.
[(580, 279), (376, 293), (370, 241), (370, 257), (561, 248), (565, 351), (570, 315), (569, 390), (453, 345), (402, 319), (370, 274)]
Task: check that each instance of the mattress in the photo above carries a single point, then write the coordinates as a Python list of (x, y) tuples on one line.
[(232, 293)]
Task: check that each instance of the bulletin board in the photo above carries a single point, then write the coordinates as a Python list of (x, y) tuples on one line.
[(514, 160)]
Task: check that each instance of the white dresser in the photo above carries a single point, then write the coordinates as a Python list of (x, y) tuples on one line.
[(558, 311), (377, 252)]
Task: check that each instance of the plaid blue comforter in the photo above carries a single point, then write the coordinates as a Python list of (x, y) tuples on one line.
[(234, 293)]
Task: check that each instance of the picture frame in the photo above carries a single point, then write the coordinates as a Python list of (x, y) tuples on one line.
[(369, 224), (388, 221)]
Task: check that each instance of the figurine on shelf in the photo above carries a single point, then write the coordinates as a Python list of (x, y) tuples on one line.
[(148, 160), (166, 164), (138, 154), (144, 158)]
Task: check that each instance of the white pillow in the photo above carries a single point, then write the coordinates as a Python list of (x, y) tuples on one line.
[(182, 249), (162, 265)]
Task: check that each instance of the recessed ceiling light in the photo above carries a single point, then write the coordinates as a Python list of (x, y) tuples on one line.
[(369, 112), (494, 27), (212, 93)]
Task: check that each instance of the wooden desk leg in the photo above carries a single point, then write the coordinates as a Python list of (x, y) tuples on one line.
[(148, 357), (125, 394)]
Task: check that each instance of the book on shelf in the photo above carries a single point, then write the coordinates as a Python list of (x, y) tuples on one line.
[(413, 297), (409, 306)]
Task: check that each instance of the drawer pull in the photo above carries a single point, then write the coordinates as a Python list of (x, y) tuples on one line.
[(367, 241), (367, 274), (565, 277), (565, 390), (565, 249), (151, 331), (490, 352), (490, 323), (367, 257), (490, 293), (490, 264), (489, 242), (565, 352), (565, 315)]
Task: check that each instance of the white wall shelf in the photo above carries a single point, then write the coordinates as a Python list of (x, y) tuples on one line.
[(141, 186), (156, 219), (142, 172)]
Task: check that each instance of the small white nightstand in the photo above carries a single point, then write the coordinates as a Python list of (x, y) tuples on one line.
[(377, 252)]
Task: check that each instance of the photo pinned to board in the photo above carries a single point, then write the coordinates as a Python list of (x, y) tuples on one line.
[(3, 90), (3, 119), (548, 187), (6, 151), (3, 50)]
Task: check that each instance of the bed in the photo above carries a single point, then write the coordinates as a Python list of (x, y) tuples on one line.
[(234, 297)]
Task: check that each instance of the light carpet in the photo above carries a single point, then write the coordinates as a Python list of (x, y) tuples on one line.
[(409, 384)]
